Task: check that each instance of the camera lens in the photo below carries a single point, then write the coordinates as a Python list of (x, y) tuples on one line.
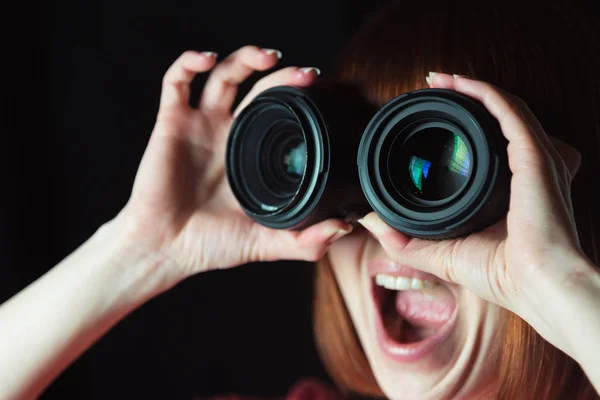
[(433, 164), (291, 155)]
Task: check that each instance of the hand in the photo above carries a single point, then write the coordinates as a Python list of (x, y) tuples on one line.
[(510, 262), (181, 208)]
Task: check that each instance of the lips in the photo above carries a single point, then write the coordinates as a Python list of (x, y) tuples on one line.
[(411, 325)]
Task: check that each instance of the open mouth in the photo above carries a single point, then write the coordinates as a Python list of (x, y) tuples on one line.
[(413, 315)]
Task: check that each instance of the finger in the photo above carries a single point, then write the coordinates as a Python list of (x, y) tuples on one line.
[(393, 242), (559, 154), (520, 105), (397, 246), (176, 81), (221, 87), (549, 145), (309, 244), (314, 241), (538, 130), (533, 158), (528, 152), (291, 76), (566, 159), (452, 260)]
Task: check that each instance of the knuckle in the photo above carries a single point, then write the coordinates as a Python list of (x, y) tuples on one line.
[(248, 49), (276, 78), (448, 274), (497, 276), (186, 54), (529, 155), (451, 260), (261, 85), (514, 109)]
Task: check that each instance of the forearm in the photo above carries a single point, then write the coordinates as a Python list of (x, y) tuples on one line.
[(50, 323), (576, 303)]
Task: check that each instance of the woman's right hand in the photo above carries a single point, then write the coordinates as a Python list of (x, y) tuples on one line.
[(181, 209)]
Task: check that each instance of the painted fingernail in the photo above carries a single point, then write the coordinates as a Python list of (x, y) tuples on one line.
[(307, 70), (272, 51), (209, 54)]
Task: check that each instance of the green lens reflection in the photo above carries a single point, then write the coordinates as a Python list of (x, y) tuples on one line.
[(295, 160)]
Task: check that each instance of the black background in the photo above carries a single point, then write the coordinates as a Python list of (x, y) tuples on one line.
[(81, 90), (81, 83)]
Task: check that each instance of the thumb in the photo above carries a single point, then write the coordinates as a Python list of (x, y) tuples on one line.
[(462, 261)]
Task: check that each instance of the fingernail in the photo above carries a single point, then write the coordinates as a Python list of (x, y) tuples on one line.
[(338, 234), (272, 51), (307, 70), (364, 223), (374, 225), (429, 78), (209, 54), (461, 76)]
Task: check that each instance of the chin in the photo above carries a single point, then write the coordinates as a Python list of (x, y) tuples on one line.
[(424, 338)]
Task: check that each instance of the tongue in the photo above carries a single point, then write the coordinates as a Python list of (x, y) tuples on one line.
[(426, 308)]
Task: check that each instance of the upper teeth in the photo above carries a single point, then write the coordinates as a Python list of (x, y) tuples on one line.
[(402, 282)]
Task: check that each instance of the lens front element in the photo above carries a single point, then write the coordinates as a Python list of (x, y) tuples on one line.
[(432, 165)]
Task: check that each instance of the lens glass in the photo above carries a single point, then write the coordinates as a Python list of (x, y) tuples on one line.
[(282, 157), (294, 160), (433, 164)]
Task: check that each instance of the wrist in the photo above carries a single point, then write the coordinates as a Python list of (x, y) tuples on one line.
[(571, 297), (141, 271), (56, 318)]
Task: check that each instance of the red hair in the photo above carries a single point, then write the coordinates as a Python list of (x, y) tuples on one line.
[(544, 53)]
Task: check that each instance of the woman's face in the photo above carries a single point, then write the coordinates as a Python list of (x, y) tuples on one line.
[(421, 343)]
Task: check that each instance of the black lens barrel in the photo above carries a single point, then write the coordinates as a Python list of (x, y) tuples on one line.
[(482, 201), (356, 160), (329, 187)]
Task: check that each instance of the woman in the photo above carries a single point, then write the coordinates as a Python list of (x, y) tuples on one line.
[(182, 219), (491, 352)]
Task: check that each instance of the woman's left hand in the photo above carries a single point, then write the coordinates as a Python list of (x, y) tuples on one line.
[(513, 262)]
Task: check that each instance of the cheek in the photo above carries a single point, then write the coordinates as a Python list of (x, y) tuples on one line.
[(347, 256)]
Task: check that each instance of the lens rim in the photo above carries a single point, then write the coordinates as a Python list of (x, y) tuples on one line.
[(316, 138), (462, 114)]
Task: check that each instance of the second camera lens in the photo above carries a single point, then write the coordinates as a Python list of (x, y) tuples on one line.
[(433, 164)]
